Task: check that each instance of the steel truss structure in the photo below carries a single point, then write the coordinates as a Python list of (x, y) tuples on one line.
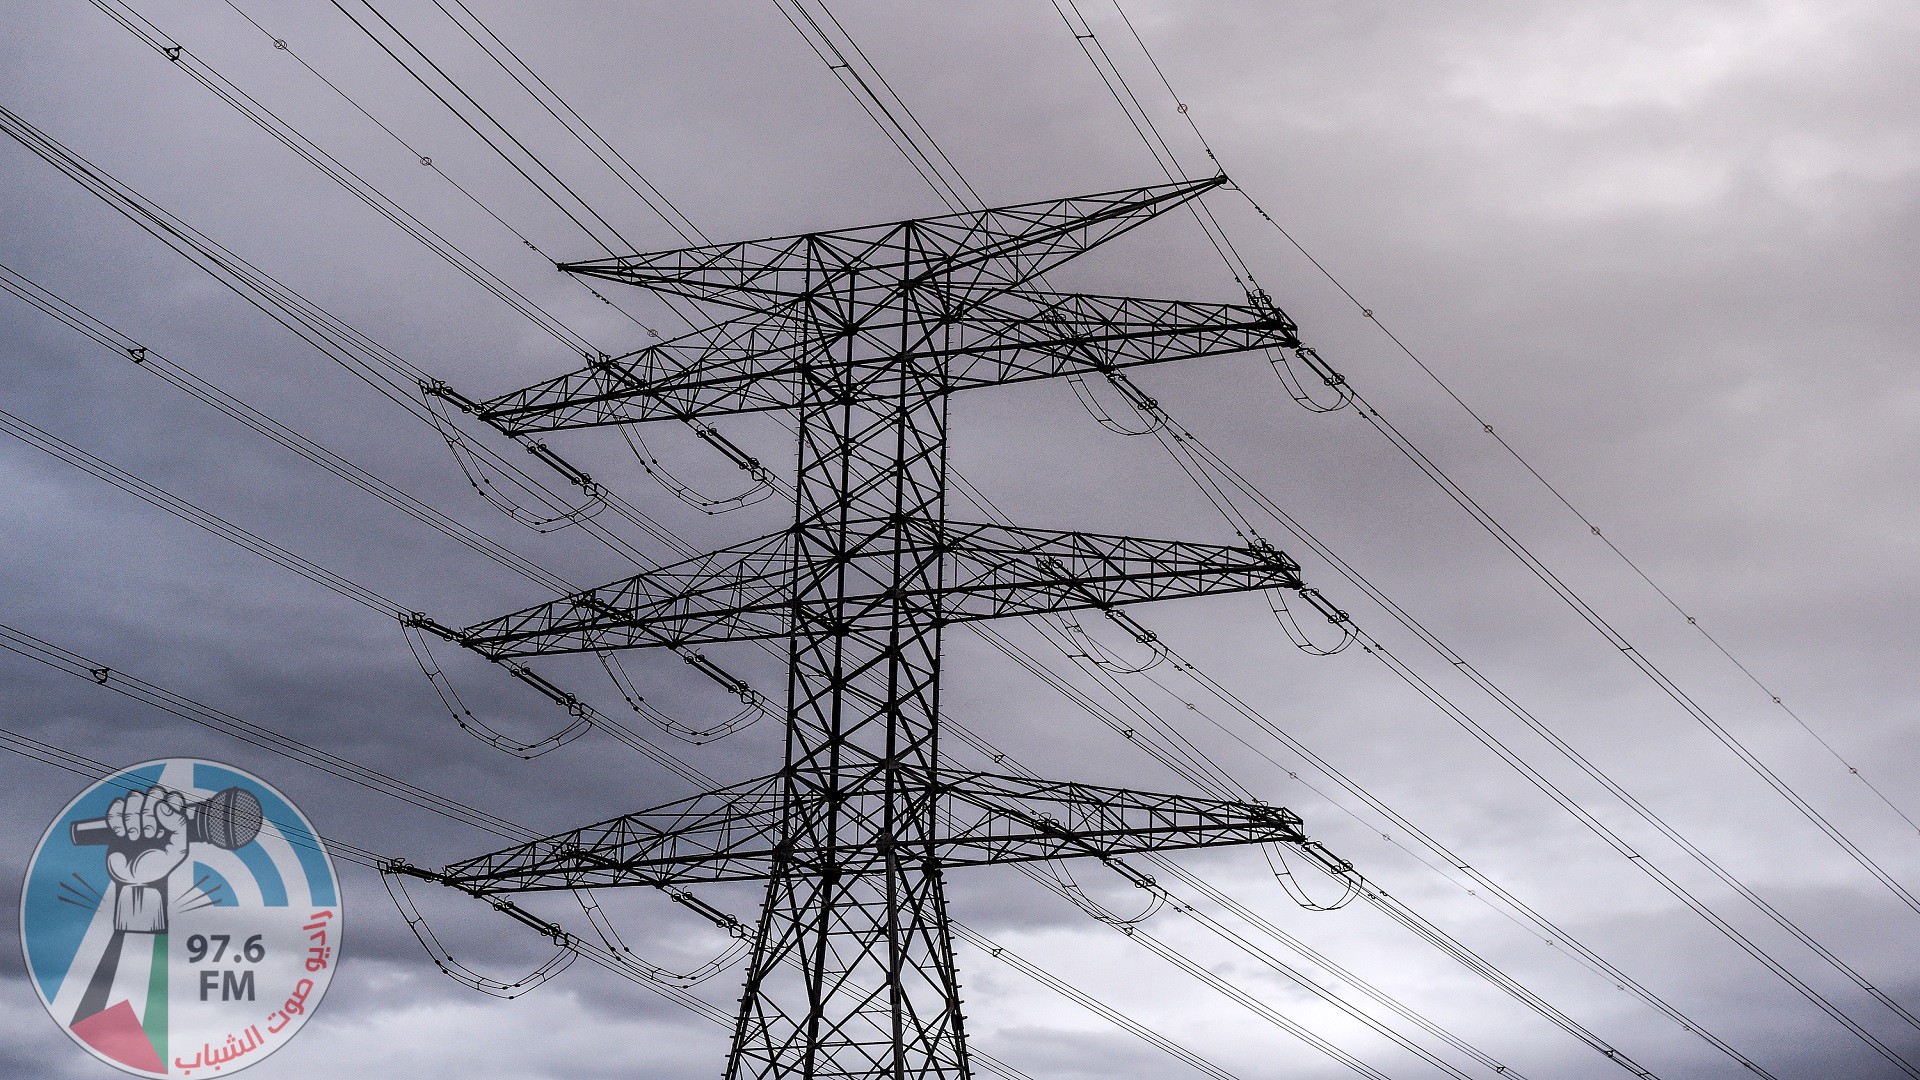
[(864, 334)]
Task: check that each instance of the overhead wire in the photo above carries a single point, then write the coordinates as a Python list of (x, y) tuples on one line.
[(1252, 1002), (658, 203), (1368, 313), (1587, 766), (609, 955), (207, 393), (73, 664), (270, 122), (215, 524), (98, 672), (281, 44), (387, 373), (380, 368), (598, 145), (824, 56), (1204, 480), (1535, 565), (159, 498), (948, 185), (519, 164), (1666, 684), (154, 363)]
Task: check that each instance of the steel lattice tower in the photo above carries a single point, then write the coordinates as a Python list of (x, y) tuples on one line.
[(863, 334)]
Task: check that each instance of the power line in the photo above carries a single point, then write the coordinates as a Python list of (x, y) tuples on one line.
[(73, 664), (44, 652), (214, 523), (1175, 441), (830, 62), (1535, 565)]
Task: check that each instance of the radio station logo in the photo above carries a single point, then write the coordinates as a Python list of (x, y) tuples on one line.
[(181, 918)]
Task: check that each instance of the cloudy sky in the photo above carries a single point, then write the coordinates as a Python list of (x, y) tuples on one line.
[(1665, 250)]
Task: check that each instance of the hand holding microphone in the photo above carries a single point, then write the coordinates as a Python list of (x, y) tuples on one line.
[(147, 834)]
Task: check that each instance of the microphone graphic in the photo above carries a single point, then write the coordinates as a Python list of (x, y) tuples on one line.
[(229, 818)]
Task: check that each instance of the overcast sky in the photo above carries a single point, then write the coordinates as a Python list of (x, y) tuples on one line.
[(1666, 250)]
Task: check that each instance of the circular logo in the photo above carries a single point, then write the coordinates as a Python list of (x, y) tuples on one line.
[(180, 918)]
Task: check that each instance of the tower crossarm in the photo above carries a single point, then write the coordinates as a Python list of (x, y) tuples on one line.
[(752, 366), (730, 834), (739, 834), (996, 571), (991, 572), (997, 819), (984, 250), (734, 594)]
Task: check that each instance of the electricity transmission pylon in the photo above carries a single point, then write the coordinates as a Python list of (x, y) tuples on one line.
[(864, 334)]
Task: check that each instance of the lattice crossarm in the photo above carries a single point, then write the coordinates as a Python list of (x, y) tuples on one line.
[(1033, 335), (734, 594), (745, 365), (995, 819), (996, 571), (757, 365), (991, 250), (727, 835), (993, 572)]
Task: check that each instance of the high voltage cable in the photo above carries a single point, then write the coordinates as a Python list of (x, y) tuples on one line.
[(76, 665), (232, 407), (1585, 1036), (386, 372), (530, 156), (1514, 760), (214, 524), (1559, 587), (186, 511), (151, 361), (306, 568), (941, 175), (271, 123), (1410, 920), (658, 203), (41, 651), (1580, 606), (1666, 684), (1672, 690), (1254, 1003), (1205, 483), (1143, 125), (1588, 767), (598, 145), (1487, 427), (61, 659), (862, 55), (281, 45)]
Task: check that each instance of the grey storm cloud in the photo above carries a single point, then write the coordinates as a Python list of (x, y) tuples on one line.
[(1664, 251)]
